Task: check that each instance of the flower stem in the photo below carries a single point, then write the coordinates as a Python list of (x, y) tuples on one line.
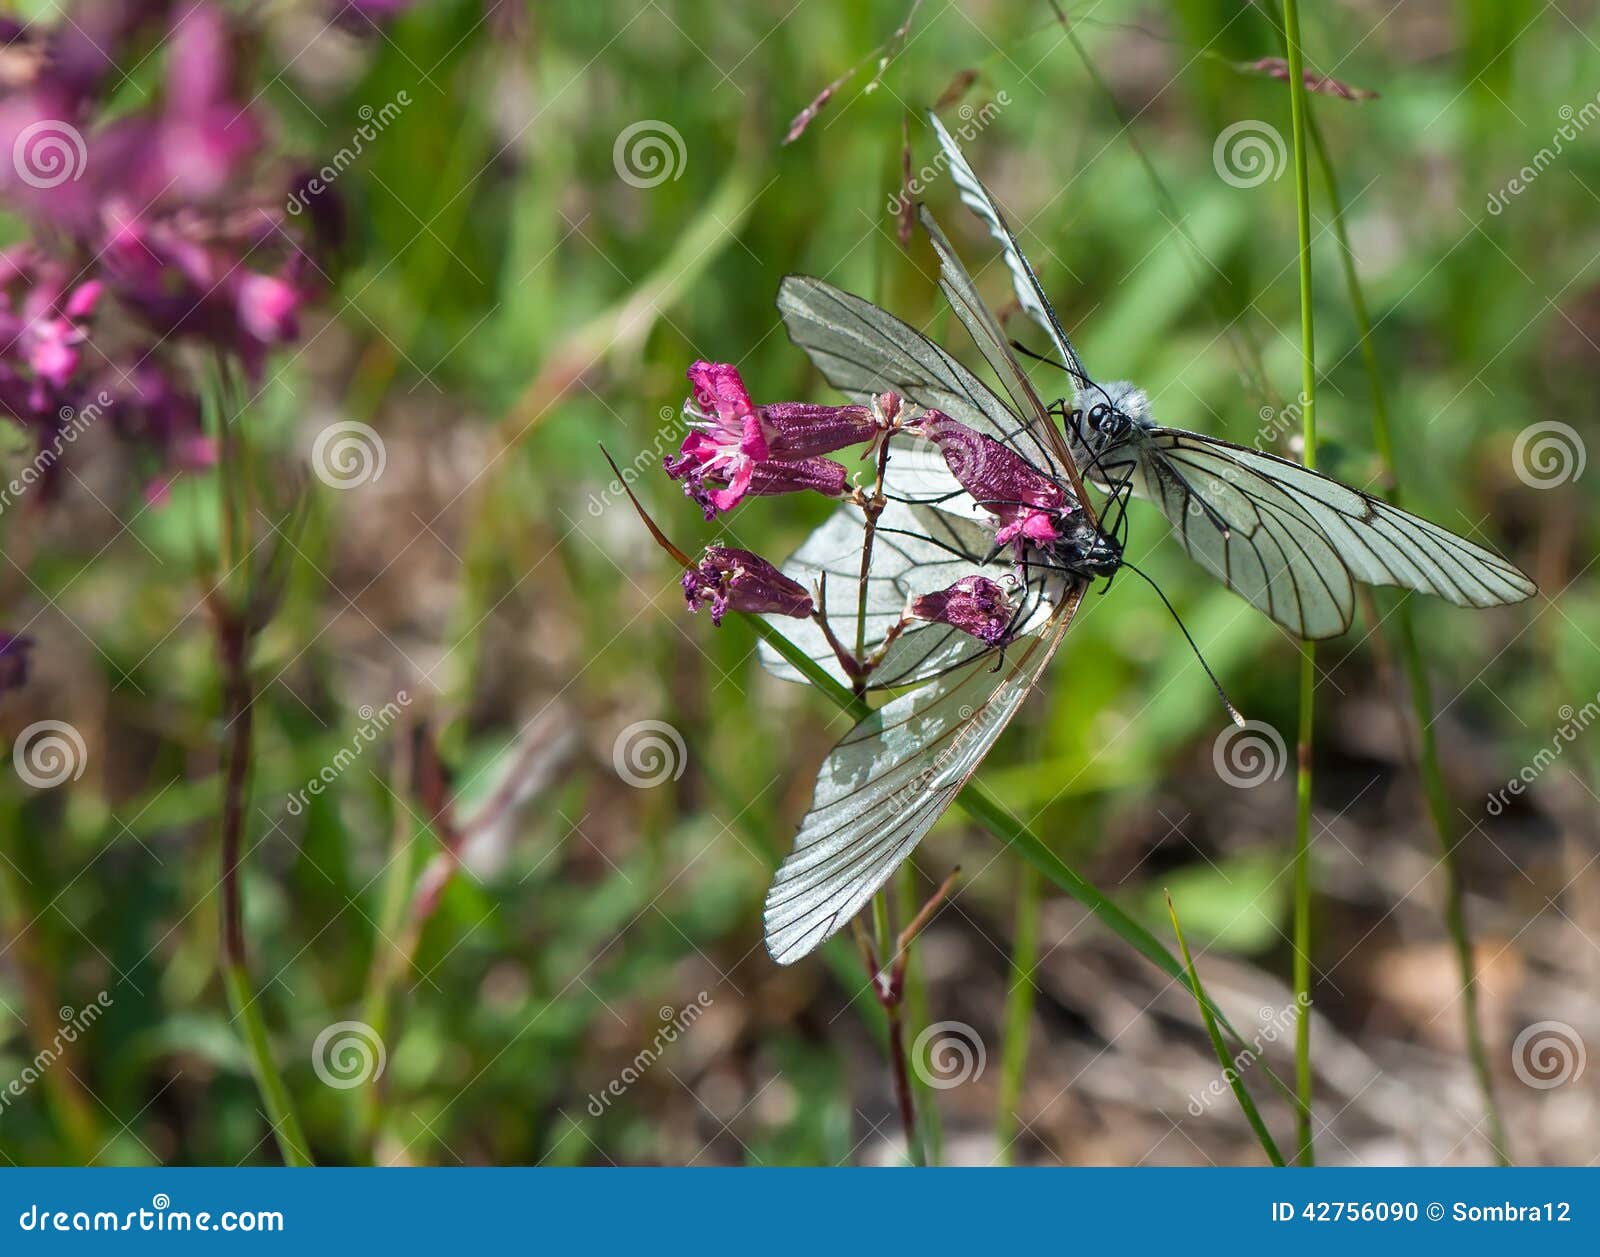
[(1433, 783), (1308, 666), (234, 619)]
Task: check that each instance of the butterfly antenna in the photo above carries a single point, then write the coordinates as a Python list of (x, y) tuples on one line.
[(1039, 357), (1233, 712)]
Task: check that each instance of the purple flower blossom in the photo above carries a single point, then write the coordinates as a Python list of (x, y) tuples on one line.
[(736, 580), (1028, 504), (43, 324), (737, 449), (14, 650), (154, 225), (974, 604)]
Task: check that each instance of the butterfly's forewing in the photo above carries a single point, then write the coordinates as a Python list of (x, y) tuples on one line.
[(882, 788), (862, 350), (1030, 293), (1293, 519), (964, 298)]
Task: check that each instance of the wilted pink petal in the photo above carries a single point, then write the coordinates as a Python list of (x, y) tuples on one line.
[(1028, 504), (804, 430), (974, 604), (736, 580), (799, 475)]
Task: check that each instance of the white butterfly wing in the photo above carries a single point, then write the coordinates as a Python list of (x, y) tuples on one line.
[(1030, 293), (885, 784), (1292, 542), (862, 349)]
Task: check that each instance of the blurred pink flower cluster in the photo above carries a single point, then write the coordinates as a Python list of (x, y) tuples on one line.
[(134, 151)]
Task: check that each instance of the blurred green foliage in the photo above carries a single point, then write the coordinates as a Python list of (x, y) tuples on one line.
[(487, 227)]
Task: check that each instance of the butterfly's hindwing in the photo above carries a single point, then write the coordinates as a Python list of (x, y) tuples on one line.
[(885, 784)]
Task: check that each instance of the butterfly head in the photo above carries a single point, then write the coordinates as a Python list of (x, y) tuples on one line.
[(1113, 410)]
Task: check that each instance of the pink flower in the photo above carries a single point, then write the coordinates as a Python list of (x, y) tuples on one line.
[(974, 604), (736, 580), (267, 307), (737, 449), (1029, 505)]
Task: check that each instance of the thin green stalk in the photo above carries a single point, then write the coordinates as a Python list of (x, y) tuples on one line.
[(1019, 1010), (1308, 666), (388, 957), (235, 619), (274, 1092), (917, 1014), (1241, 1093), (1433, 784), (69, 1103)]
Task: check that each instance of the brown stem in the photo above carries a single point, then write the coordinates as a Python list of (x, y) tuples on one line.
[(871, 507), (237, 701)]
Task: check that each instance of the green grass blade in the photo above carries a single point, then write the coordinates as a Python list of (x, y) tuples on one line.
[(1433, 785), (1246, 1105), (1019, 1010), (1308, 666)]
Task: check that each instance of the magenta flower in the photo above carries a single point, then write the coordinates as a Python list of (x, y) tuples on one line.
[(43, 323), (736, 580), (974, 604), (737, 449), (1028, 504)]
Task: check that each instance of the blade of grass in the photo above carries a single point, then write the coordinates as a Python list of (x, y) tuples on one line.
[(1433, 784), (1019, 1010), (916, 1015), (1246, 1105), (1308, 665)]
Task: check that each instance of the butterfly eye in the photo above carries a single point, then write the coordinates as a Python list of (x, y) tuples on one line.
[(1097, 416)]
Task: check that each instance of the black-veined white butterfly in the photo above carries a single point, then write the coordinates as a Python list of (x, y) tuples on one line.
[(882, 788), (1289, 541)]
